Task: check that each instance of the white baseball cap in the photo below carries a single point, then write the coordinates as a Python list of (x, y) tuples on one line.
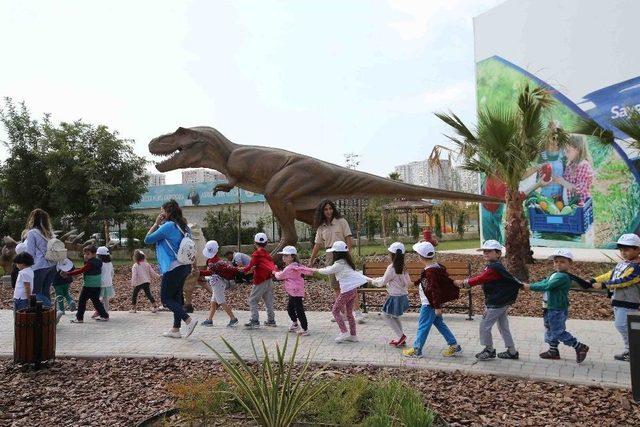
[(393, 248), (490, 245), (65, 265), (102, 250), (288, 250), (425, 249), (210, 249), (338, 246), (261, 238), (21, 247), (630, 239), (565, 253)]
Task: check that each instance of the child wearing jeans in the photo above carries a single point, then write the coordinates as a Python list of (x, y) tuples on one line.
[(24, 283), (91, 274), (141, 274), (61, 285), (106, 279), (435, 288), (397, 280), (219, 272), (623, 283), (556, 307), (293, 276), (262, 266), (500, 290), (349, 280)]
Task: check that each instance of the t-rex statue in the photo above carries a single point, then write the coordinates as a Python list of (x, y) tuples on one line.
[(293, 184)]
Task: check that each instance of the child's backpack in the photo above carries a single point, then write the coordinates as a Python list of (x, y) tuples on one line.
[(187, 251)]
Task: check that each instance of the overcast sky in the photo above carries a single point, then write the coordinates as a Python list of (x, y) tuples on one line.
[(321, 78)]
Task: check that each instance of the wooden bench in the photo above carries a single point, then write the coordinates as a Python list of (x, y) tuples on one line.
[(456, 270)]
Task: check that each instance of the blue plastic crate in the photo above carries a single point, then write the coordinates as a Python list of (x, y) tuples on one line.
[(576, 223)]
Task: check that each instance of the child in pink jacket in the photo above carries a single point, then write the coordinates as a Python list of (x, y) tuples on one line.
[(141, 274), (294, 286)]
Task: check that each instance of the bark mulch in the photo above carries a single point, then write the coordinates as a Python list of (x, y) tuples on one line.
[(123, 392)]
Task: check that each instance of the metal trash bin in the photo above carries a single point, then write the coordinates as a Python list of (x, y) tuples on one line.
[(633, 325), (34, 336)]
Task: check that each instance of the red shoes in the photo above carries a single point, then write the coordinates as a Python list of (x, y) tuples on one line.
[(399, 343)]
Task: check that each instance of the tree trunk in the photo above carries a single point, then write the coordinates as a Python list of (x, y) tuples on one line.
[(517, 242)]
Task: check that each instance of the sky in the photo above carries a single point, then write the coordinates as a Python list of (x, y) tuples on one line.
[(322, 78)]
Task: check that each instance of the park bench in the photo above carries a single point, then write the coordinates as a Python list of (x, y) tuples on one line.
[(456, 269)]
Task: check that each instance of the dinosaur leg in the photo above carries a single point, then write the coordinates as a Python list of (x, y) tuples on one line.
[(285, 213)]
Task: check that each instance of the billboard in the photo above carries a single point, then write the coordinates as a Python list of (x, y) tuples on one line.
[(585, 194), (198, 194)]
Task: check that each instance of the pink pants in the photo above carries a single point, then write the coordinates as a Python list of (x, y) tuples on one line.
[(344, 303)]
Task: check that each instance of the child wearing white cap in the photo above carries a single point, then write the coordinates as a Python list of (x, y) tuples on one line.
[(61, 285), (107, 290), (349, 280), (500, 290), (262, 266), (397, 280), (435, 288), (623, 283), (556, 307), (219, 273), (294, 287)]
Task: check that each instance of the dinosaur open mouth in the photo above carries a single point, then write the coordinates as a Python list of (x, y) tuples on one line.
[(176, 158)]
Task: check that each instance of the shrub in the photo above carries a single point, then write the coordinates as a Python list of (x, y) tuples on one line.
[(200, 399)]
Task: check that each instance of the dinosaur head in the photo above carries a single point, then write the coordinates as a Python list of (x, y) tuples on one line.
[(185, 149)]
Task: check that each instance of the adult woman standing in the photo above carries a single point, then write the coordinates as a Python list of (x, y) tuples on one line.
[(37, 234), (167, 233), (331, 227)]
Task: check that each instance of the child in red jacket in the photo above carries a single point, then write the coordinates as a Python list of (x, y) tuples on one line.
[(262, 266), (436, 288), (219, 273)]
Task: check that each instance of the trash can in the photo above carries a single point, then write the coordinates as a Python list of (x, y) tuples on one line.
[(633, 325), (34, 336)]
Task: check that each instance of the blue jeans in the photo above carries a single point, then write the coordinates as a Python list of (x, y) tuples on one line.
[(427, 318), (20, 304), (171, 292), (555, 324), (42, 281), (620, 322)]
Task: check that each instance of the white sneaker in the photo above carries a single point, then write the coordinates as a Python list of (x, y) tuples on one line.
[(353, 338), (293, 327), (360, 316), (303, 333), (188, 329), (342, 337), (172, 334)]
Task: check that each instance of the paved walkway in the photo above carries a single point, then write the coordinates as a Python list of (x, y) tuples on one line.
[(586, 255), (139, 335)]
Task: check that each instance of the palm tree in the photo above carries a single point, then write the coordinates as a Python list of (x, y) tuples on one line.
[(506, 141), (630, 125)]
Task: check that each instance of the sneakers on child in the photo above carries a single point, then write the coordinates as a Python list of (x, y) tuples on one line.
[(399, 342), (252, 324), (581, 352), (172, 334), (452, 350), (77, 321), (207, 323), (353, 338), (551, 354), (486, 354), (102, 319), (270, 323), (233, 322), (95, 315), (190, 327), (508, 355), (342, 337), (360, 316), (623, 357), (413, 353), (303, 333), (293, 327)]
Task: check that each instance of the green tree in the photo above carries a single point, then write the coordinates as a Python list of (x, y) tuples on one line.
[(395, 176), (415, 229), (437, 226), (461, 222)]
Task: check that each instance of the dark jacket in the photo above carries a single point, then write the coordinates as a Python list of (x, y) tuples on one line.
[(438, 286)]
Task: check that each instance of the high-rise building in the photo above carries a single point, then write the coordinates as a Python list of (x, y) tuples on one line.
[(421, 173), (192, 176), (466, 181), (157, 179)]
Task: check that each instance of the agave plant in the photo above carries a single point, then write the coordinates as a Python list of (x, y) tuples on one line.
[(272, 393), (507, 140)]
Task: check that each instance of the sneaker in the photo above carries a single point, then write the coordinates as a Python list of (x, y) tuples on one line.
[(59, 316), (399, 342), (551, 354), (95, 315), (581, 353), (623, 357), (413, 353), (102, 319), (233, 322), (507, 355), (360, 316), (188, 329), (486, 354), (303, 333), (452, 350), (77, 321), (342, 337), (252, 324), (172, 334), (188, 308), (293, 327), (353, 338), (207, 323), (271, 324)]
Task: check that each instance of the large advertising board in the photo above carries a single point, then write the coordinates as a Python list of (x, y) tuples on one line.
[(583, 51)]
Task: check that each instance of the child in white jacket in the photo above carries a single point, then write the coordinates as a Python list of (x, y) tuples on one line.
[(106, 279)]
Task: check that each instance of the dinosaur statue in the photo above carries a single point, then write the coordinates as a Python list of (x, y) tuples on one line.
[(293, 184)]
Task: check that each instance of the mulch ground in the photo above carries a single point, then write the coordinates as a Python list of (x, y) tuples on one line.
[(588, 306), (119, 392)]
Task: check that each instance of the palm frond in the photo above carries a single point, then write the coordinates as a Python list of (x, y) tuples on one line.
[(630, 126), (590, 127)]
